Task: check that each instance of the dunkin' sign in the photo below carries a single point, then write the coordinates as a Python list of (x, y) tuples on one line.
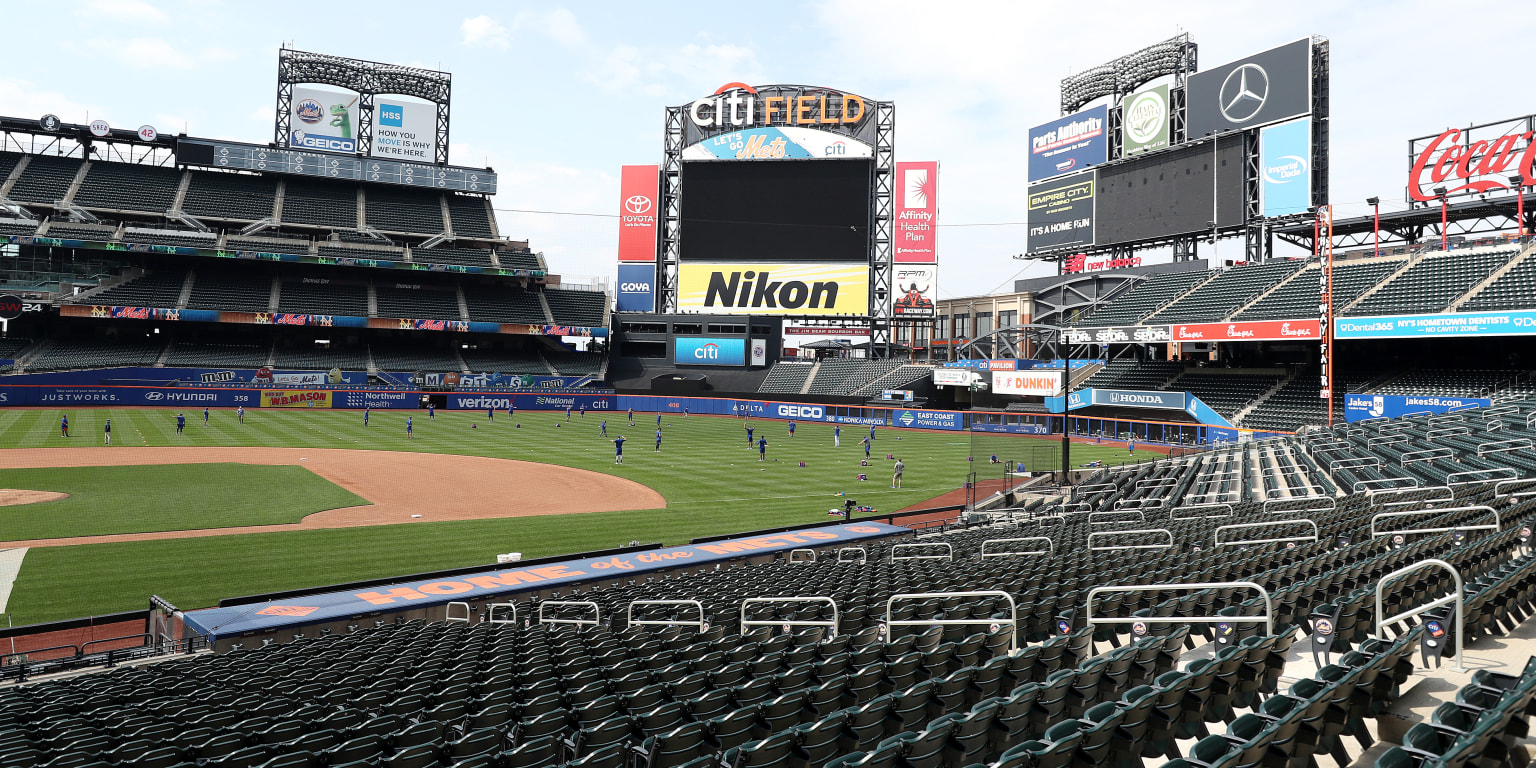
[(1473, 160)]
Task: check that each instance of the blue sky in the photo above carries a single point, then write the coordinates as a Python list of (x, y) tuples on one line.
[(557, 96)]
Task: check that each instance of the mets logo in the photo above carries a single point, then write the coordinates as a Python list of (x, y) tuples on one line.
[(263, 318), (99, 312), (287, 610), (308, 111), (862, 529), (1323, 627), (1139, 628)]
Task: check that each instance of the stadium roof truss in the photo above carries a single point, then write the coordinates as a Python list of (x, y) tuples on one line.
[(1419, 225), (120, 145), (368, 79)]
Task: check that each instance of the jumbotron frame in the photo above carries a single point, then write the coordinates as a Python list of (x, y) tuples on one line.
[(368, 79), (881, 216)]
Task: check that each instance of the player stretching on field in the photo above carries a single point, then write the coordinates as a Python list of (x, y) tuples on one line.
[(181, 423), (897, 469), (865, 441), (749, 436), (762, 449), (408, 428), (658, 441), (791, 427), (603, 429), (240, 412), (109, 431), (64, 425), (618, 450)]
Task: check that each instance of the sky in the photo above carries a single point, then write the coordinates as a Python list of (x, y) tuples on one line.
[(556, 97)]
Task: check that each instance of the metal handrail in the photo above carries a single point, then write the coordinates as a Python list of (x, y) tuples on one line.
[(1428, 454), (1360, 461), (1371, 494), (1092, 548), (1217, 542), (1268, 618), (745, 622), (1305, 502), (794, 552), (949, 551), (1142, 503), (1012, 620), (448, 612), (1448, 416), (1498, 489), (1309, 488), (1448, 432), (597, 612), (863, 555), (490, 613), (1174, 513), (629, 615), (1512, 475), (1458, 599), (1494, 526), (1141, 517), (1050, 546), (1364, 485), (1505, 445), (1500, 410)]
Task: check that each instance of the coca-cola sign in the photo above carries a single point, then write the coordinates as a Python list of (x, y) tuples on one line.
[(1473, 160)]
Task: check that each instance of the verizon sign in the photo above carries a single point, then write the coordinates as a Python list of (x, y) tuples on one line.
[(1477, 159), (1266, 330), (1036, 383)]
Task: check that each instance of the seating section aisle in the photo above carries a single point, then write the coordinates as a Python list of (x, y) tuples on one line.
[(234, 291), (230, 196), (786, 378), (583, 308), (1434, 282), (1515, 289), (65, 355), (1142, 300), (121, 186), (504, 305), (156, 289)]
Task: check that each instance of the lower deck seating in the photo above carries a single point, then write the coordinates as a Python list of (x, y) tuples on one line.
[(72, 354)]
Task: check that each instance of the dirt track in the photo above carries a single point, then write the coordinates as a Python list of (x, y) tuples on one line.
[(400, 484)]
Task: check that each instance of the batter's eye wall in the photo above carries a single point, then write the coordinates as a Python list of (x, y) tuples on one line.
[(776, 210)]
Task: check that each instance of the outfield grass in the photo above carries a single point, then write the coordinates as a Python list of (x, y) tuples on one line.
[(712, 482), (167, 497)]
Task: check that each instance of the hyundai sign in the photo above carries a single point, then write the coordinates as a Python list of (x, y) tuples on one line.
[(637, 287), (698, 350)]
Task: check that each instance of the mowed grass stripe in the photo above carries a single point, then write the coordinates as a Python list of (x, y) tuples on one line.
[(713, 484)]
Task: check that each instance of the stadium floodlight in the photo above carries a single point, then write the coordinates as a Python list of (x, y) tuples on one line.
[(1373, 201)]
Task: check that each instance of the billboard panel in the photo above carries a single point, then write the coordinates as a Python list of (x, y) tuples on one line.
[(952, 377), (784, 143), (404, 130), (1476, 160), (1258, 330), (1264, 88), (637, 283), (917, 212), (323, 120), (637, 212), (1040, 383), (1071, 143), (759, 352), (1285, 166), (1061, 213), (704, 350), (805, 211), (1144, 127), (914, 288), (1120, 334), (1518, 322), (773, 288), (1359, 407), (1168, 193)]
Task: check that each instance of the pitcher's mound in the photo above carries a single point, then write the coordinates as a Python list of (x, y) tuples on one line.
[(10, 497)]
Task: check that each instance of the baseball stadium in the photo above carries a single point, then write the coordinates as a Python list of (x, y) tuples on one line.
[(307, 461)]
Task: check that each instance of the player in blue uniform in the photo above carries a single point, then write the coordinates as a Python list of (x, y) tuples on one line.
[(658, 418), (408, 428), (865, 441), (604, 428), (749, 436), (64, 425), (240, 413), (791, 427), (205, 417), (618, 450), (762, 449), (871, 431), (181, 423), (109, 431), (837, 436), (366, 411), (658, 441), (490, 413), (582, 411), (431, 412), (567, 414)]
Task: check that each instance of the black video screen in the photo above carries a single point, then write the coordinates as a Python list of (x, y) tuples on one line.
[(775, 210), (1164, 194)]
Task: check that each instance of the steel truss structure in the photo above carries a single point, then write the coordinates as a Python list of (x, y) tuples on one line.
[(1257, 232), (1480, 215), (368, 79), (27, 137), (678, 135)]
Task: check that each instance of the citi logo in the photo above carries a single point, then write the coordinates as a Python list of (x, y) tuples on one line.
[(837, 148), (710, 351)]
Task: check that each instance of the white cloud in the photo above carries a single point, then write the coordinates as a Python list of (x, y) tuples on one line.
[(22, 98), (153, 53), (669, 71), (483, 30), (559, 25), (125, 11)]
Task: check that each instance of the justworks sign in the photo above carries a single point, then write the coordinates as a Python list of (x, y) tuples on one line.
[(774, 289), (738, 105)]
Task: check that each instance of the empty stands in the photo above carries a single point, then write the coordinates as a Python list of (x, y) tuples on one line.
[(17, 228), (232, 196), (235, 291), (414, 357), (416, 302), (518, 259), (356, 252), (199, 355), (469, 257), (1227, 393), (1515, 289), (1219, 297), (403, 210), (1436, 280), (87, 232), (471, 218), (903, 377), (125, 187), (574, 363), (1453, 383), (846, 376), (504, 304), (321, 359), (583, 308), (786, 378), (180, 239), (1132, 374), (1142, 300), (321, 204), (484, 360), (323, 296), (45, 179), (70, 354), (156, 289)]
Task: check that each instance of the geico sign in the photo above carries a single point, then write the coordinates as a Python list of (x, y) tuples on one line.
[(739, 105), (801, 411), (635, 287)]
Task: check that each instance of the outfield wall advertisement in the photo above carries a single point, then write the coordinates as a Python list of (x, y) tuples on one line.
[(1510, 323), (1360, 407), (769, 288)]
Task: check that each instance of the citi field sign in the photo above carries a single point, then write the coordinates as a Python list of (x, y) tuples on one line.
[(738, 105)]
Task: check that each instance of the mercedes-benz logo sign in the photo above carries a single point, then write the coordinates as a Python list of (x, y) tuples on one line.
[(637, 204), (50, 123), (1243, 93)]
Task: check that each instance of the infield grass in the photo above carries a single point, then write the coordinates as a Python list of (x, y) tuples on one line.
[(712, 482), (165, 497)]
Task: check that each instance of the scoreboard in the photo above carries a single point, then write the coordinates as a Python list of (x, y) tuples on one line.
[(251, 157)]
